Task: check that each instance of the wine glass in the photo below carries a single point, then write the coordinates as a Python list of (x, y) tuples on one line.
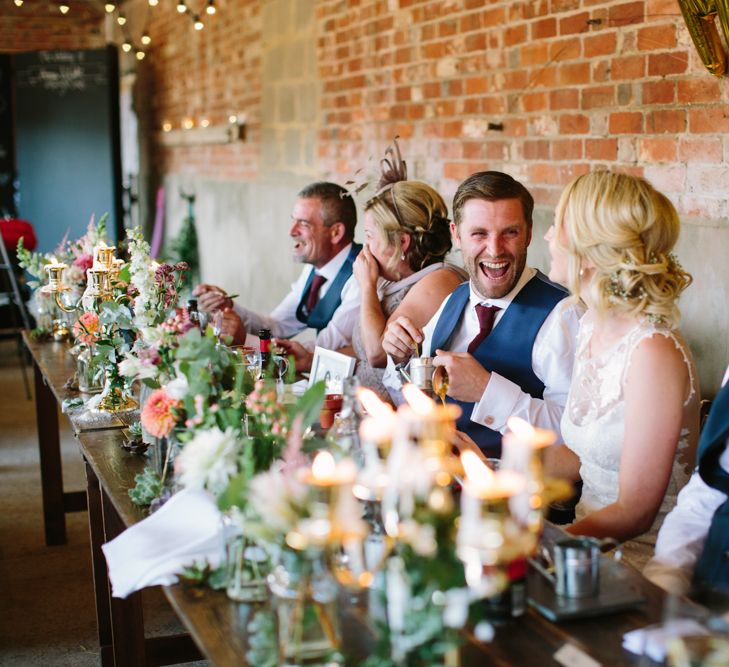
[(252, 362)]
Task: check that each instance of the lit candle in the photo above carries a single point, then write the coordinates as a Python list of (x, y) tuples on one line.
[(326, 472), (525, 432), (485, 484)]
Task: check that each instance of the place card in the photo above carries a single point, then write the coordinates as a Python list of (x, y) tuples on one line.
[(571, 656)]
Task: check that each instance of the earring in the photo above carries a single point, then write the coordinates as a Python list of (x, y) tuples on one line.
[(582, 273), (402, 257)]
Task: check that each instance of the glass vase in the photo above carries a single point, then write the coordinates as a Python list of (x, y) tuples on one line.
[(305, 599), (90, 379), (247, 564), (164, 451)]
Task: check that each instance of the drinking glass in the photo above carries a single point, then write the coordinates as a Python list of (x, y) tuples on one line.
[(252, 362)]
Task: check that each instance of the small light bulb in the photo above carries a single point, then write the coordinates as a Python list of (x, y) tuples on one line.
[(63, 8), (109, 7), (121, 19), (232, 118), (204, 123), (188, 123), (181, 7), (140, 55), (126, 47), (166, 126), (18, 3), (210, 9), (146, 39), (153, 3), (199, 25)]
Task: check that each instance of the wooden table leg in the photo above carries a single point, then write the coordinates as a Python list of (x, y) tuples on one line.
[(127, 620), (102, 594), (49, 446)]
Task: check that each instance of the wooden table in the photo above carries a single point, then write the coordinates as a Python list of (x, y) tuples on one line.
[(216, 624), (52, 367)]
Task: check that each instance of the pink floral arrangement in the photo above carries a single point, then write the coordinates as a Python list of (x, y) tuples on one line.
[(84, 261), (264, 407), (86, 328), (159, 414)]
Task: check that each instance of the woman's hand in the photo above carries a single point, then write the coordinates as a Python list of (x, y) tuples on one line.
[(401, 338), (366, 269)]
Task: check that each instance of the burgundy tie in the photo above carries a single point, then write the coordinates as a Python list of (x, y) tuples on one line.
[(486, 315), (313, 297)]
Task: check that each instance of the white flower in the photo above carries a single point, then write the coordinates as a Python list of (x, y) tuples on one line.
[(274, 496), (178, 388), (131, 367), (209, 460)]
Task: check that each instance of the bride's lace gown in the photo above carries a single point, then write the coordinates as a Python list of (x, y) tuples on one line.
[(593, 426)]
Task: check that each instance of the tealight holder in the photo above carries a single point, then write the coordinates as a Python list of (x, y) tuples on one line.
[(99, 283), (104, 256), (489, 538)]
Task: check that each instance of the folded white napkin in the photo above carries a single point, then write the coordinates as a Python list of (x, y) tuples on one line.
[(651, 641), (186, 529)]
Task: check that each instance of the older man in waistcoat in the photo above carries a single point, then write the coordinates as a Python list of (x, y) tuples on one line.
[(325, 297), (505, 337)]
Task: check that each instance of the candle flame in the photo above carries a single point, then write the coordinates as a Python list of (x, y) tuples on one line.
[(372, 403), (323, 466), (477, 472), (524, 431), (417, 400)]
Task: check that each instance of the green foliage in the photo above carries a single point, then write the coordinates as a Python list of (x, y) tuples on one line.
[(262, 640), (309, 405), (148, 486), (135, 430), (184, 247), (201, 575), (71, 403), (33, 263)]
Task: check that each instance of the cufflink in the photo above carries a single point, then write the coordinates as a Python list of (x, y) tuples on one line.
[(489, 420)]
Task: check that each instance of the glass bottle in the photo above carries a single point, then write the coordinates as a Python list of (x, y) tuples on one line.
[(264, 337), (193, 313)]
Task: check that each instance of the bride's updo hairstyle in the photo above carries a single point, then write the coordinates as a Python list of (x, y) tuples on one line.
[(416, 209), (623, 230)]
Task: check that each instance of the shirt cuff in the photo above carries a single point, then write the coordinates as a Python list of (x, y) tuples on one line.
[(497, 403)]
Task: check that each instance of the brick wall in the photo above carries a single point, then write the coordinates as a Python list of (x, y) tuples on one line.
[(38, 25), (576, 84), (209, 74)]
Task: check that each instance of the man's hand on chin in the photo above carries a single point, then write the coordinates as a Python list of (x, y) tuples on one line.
[(467, 379), (302, 355)]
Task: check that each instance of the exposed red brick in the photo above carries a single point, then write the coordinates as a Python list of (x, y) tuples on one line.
[(601, 149), (568, 98), (628, 67), (567, 149), (700, 150), (626, 13), (599, 45), (656, 150), (544, 28), (663, 121), (574, 124), (697, 91), (662, 91), (709, 119), (672, 62), (573, 24), (624, 122), (657, 37)]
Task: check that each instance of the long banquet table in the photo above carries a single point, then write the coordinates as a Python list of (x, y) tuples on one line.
[(217, 625)]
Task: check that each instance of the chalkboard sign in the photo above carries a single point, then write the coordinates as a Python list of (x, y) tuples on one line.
[(7, 151), (67, 141)]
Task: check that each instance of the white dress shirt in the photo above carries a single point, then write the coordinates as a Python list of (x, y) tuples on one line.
[(552, 358), (683, 533), (283, 322)]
